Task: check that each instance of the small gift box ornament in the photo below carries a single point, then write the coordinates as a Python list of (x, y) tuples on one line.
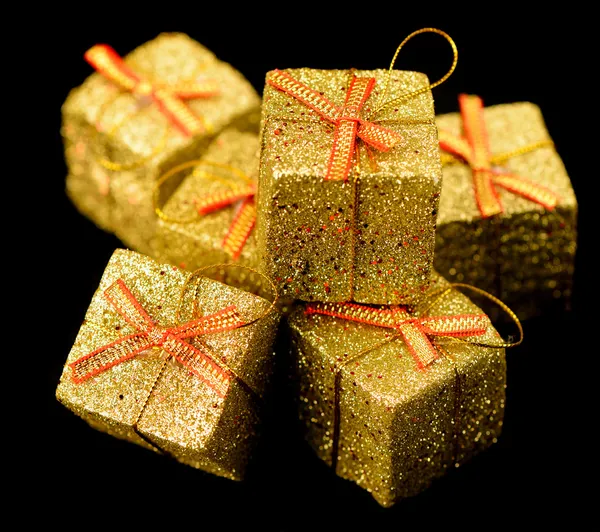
[(392, 399), (349, 184), (172, 361), (210, 218), (137, 117), (508, 214)]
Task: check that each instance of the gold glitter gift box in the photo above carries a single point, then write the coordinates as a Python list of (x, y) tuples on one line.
[(135, 118), (348, 190), (389, 399), (174, 363), (510, 225), (209, 219)]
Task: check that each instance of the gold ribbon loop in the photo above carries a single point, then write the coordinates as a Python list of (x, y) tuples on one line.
[(383, 104), (198, 275)]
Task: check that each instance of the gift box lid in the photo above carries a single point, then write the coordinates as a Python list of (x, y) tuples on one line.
[(168, 59), (298, 141), (509, 128)]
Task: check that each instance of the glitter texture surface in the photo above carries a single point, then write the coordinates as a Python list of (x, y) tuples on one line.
[(313, 238), (200, 242), (399, 427), (182, 416), (525, 255), (103, 124)]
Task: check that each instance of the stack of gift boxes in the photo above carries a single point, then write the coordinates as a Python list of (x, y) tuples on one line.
[(346, 195)]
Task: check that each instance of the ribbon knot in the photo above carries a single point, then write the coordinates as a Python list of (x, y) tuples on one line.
[(347, 121), (159, 335), (149, 334), (349, 113), (473, 148), (244, 219), (169, 99), (143, 88)]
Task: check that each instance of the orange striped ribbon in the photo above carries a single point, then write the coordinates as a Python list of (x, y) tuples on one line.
[(414, 330), (347, 120), (244, 219), (170, 100), (149, 334), (474, 149)]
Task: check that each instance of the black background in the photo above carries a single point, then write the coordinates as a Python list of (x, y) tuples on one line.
[(84, 476)]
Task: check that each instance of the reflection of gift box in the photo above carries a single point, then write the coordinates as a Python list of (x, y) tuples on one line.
[(507, 220), (348, 194), (134, 119), (173, 363), (391, 399), (210, 218)]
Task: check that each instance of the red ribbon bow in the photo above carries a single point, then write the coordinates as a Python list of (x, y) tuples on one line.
[(244, 219), (473, 148), (169, 99), (414, 330), (149, 334), (347, 120)]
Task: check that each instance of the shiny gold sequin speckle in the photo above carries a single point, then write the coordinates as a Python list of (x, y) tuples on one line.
[(200, 243), (179, 415), (101, 124), (369, 239), (399, 427), (526, 255)]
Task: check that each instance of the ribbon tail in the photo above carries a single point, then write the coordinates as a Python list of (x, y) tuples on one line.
[(486, 195), (108, 356), (379, 317), (488, 201), (379, 137), (200, 364), (178, 112), (457, 325), (419, 345), (127, 306), (532, 191), (221, 199), (240, 229), (107, 62), (199, 89), (304, 94)]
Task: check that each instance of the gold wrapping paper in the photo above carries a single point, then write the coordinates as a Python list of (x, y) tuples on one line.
[(102, 124), (399, 427), (200, 243), (312, 240), (182, 416), (525, 255)]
